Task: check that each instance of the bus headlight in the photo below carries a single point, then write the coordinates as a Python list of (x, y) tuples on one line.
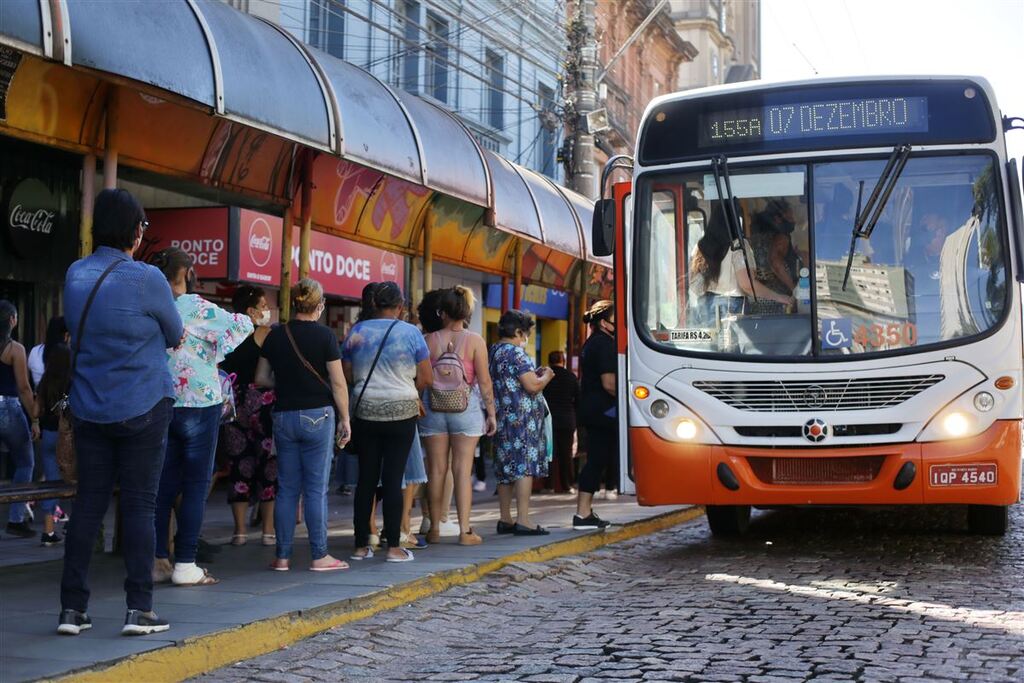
[(686, 429), (668, 417), (659, 409), (984, 401), (956, 424)]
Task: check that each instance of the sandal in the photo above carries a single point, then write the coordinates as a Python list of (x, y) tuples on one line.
[(409, 557), (205, 580), (162, 570), (359, 558), (433, 536), (470, 538), (276, 567), (520, 530), (239, 539), (334, 566), (269, 539)]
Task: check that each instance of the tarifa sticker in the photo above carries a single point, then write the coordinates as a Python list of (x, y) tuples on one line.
[(694, 335)]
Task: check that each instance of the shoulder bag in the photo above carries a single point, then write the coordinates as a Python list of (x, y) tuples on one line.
[(353, 447), (67, 460)]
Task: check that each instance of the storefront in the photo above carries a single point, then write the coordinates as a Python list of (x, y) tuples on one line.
[(231, 245), (39, 196), (550, 308)]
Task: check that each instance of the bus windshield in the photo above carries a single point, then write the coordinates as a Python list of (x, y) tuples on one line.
[(933, 270)]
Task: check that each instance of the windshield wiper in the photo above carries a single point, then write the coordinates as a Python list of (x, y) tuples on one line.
[(720, 167), (862, 226)]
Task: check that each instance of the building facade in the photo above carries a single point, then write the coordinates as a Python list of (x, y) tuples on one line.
[(727, 35), (495, 64), (648, 67)]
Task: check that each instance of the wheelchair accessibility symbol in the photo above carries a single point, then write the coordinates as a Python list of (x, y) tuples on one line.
[(837, 333)]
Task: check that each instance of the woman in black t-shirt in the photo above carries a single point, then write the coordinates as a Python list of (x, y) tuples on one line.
[(303, 355), (597, 410)]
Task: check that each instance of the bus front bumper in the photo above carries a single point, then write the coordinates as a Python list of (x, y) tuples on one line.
[(985, 469)]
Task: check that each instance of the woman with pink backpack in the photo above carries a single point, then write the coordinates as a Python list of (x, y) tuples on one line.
[(459, 409)]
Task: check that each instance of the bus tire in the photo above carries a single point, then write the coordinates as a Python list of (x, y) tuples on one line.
[(728, 520), (987, 520)]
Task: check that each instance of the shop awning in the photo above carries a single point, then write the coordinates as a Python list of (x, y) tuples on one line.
[(197, 57)]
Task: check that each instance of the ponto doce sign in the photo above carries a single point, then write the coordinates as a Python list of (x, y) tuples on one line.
[(205, 252), (329, 263)]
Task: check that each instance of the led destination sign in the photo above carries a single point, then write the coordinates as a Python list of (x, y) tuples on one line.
[(876, 115)]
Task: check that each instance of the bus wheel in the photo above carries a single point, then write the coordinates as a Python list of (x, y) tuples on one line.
[(728, 520), (987, 520)]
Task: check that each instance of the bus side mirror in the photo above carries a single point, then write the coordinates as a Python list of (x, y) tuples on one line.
[(1017, 216), (603, 227)]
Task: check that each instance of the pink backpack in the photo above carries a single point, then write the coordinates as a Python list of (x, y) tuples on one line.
[(450, 391)]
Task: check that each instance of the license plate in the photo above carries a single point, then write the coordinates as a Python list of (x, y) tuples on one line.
[(982, 474)]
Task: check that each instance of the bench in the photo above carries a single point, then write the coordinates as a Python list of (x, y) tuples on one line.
[(42, 490)]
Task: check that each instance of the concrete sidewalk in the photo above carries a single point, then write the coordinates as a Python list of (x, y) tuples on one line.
[(253, 610)]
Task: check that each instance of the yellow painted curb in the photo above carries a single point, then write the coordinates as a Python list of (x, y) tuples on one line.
[(201, 654)]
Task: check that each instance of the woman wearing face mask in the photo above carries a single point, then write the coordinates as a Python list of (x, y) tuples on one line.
[(210, 333), (598, 411), (248, 440), (520, 453)]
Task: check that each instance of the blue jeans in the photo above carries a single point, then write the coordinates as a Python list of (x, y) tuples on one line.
[(188, 466), (48, 454), (130, 453), (15, 434), (305, 446), (347, 470)]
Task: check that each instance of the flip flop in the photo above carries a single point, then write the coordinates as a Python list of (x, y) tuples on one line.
[(205, 580), (336, 565), (409, 557), (360, 558), (275, 568)]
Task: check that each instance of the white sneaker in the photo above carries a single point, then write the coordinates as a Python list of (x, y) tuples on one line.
[(479, 485), (601, 495), (450, 529), (611, 495)]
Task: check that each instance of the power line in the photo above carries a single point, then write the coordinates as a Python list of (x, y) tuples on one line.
[(479, 77), (856, 35), (387, 8)]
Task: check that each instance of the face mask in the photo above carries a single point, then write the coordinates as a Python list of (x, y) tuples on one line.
[(264, 319)]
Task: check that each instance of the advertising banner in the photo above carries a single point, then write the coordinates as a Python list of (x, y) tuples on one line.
[(540, 301), (344, 267), (256, 248), (202, 232)]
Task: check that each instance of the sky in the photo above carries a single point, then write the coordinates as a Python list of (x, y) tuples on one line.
[(866, 37)]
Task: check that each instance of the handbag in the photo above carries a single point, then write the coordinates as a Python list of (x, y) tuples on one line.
[(309, 366), (353, 447), (450, 391), (67, 460)]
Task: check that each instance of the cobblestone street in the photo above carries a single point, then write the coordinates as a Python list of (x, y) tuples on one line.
[(830, 595)]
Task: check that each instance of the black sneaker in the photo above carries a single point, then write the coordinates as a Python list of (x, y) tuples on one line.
[(20, 529), (592, 521), (50, 539), (139, 623), (72, 622)]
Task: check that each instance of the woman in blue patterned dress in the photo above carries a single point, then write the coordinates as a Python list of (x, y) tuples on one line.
[(520, 449)]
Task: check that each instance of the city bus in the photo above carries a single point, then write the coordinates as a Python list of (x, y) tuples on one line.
[(817, 299)]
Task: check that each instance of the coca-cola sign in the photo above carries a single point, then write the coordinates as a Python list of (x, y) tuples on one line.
[(33, 215)]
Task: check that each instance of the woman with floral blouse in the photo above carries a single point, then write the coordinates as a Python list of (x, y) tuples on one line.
[(519, 444), (210, 334)]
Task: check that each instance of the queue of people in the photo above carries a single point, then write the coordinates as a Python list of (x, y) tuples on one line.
[(160, 380)]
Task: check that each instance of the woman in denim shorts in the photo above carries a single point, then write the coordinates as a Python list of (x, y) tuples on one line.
[(458, 432)]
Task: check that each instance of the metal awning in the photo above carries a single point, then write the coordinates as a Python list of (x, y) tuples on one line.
[(205, 57)]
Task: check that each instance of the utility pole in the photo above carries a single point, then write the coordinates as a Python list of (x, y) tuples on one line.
[(581, 100)]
